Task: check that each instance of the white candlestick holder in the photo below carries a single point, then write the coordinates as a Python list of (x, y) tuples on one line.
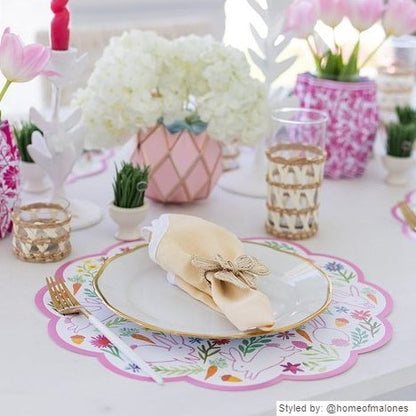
[(63, 140)]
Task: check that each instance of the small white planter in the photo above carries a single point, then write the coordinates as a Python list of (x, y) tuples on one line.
[(128, 220), (398, 169), (33, 178)]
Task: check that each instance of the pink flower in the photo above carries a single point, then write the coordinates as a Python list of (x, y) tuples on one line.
[(300, 344), (20, 63), (400, 17), (293, 368), (360, 315), (364, 13), (332, 11), (220, 341), (10, 177), (100, 341), (339, 342), (301, 18)]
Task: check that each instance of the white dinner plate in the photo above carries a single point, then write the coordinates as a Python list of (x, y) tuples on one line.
[(135, 288)]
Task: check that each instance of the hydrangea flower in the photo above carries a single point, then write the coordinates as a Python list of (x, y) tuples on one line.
[(143, 78)]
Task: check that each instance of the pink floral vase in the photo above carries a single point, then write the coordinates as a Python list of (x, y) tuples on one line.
[(9, 177), (183, 167), (353, 121)]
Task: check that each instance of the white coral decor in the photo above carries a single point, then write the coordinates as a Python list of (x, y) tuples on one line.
[(143, 77)]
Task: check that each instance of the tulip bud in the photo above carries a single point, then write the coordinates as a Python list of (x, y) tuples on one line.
[(301, 18), (364, 13), (332, 11), (400, 17), (20, 63)]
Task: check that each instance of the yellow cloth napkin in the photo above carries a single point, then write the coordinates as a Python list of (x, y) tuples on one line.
[(193, 252)]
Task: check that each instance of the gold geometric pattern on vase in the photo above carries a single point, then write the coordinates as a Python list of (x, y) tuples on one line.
[(184, 167)]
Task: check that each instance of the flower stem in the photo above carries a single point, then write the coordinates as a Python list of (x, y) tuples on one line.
[(5, 88), (373, 53)]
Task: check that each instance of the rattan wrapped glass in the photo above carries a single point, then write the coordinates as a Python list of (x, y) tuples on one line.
[(295, 172), (41, 232)]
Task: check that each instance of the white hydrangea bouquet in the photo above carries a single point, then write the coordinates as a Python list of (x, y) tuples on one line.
[(192, 83)]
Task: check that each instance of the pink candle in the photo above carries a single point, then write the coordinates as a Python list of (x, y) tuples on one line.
[(60, 25)]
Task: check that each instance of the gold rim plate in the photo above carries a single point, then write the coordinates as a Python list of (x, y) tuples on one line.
[(135, 288)]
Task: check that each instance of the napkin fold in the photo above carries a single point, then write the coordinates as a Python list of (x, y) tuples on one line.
[(208, 262)]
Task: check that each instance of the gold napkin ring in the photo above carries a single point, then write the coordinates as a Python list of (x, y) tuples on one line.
[(241, 272)]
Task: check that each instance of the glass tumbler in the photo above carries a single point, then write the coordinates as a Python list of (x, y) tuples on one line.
[(41, 232), (295, 170)]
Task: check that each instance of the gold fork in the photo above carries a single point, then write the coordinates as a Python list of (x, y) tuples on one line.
[(66, 304), (408, 214)]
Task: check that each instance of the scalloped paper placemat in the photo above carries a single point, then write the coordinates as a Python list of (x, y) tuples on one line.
[(355, 323), (410, 198)]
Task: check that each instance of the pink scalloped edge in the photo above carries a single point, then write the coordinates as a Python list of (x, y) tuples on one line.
[(395, 212), (102, 359), (103, 166)]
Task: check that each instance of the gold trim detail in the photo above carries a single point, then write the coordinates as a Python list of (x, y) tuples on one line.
[(146, 325)]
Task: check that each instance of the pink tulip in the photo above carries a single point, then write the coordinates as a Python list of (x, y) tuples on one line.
[(332, 11), (20, 63), (400, 17), (364, 13), (301, 18)]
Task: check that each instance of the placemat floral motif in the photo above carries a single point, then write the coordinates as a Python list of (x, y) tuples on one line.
[(410, 198), (328, 345), (91, 163)]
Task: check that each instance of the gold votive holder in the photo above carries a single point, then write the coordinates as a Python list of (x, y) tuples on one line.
[(41, 232)]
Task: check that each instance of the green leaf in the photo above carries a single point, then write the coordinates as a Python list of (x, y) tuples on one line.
[(332, 65), (324, 348), (406, 114), (177, 126), (400, 139), (198, 127), (180, 370), (192, 123), (129, 185), (350, 70), (22, 133)]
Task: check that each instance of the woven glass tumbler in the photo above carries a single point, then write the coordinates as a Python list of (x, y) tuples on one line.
[(295, 170), (41, 232)]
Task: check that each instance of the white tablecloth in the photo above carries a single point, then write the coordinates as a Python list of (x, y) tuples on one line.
[(40, 378)]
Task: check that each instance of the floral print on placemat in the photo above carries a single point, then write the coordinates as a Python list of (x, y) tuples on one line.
[(328, 345), (410, 198)]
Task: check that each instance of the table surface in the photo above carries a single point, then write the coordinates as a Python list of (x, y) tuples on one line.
[(37, 375)]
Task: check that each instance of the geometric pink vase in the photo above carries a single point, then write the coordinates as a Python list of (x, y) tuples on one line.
[(9, 177), (353, 121), (183, 167)]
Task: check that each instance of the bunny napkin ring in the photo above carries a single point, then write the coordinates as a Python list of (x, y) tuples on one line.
[(242, 272)]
